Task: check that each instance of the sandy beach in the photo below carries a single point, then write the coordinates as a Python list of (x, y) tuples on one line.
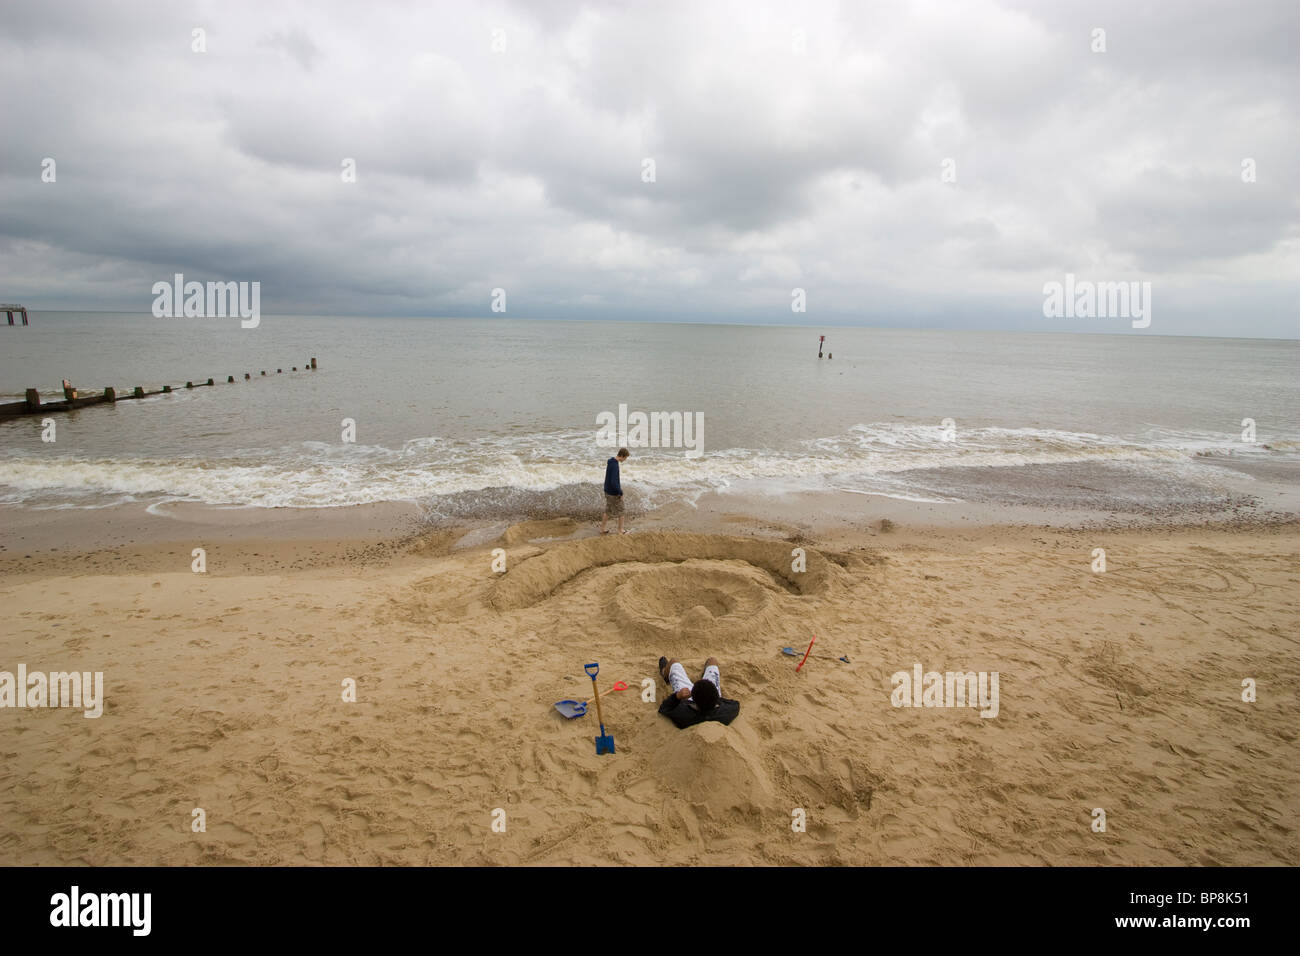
[(224, 691)]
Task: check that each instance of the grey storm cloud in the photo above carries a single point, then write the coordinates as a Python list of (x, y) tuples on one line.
[(801, 145)]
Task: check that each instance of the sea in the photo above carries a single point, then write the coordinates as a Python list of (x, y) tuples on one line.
[(503, 417)]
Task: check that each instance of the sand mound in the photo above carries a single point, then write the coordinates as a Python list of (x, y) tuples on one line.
[(547, 530), (695, 599), (433, 544), (535, 579), (714, 768)]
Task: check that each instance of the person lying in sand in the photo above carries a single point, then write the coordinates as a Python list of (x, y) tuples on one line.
[(691, 703), (705, 692)]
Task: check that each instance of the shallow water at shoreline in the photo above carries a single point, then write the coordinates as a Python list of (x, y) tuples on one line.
[(499, 419)]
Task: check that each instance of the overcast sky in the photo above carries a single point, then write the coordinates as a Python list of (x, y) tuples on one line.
[(796, 145)]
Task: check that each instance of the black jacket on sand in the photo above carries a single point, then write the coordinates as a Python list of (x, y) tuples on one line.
[(685, 714)]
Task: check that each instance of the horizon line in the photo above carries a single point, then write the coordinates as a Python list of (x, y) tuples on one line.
[(748, 324)]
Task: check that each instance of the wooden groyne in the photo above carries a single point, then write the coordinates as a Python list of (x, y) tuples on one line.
[(33, 405), (9, 309)]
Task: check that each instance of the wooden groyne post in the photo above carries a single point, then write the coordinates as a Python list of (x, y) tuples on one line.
[(11, 308), (32, 404)]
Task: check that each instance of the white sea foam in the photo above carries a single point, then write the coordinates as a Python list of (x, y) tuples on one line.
[(870, 458)]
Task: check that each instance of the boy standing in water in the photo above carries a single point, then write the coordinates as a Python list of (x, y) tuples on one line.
[(613, 492)]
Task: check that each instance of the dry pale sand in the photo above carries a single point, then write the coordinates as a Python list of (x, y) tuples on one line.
[(1119, 690)]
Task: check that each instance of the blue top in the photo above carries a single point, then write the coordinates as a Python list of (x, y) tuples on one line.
[(612, 487)]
